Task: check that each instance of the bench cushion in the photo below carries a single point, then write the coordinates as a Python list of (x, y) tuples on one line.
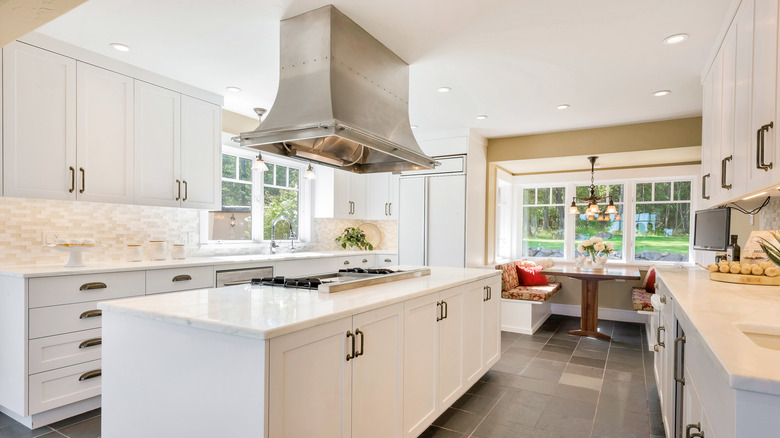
[(509, 278), (532, 293), (641, 299)]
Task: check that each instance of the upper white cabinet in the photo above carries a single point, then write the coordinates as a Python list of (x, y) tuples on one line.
[(104, 135), (383, 196), (201, 128), (340, 194), (739, 140), (74, 130), (175, 138), (39, 123)]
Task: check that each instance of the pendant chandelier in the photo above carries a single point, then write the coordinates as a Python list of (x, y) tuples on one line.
[(593, 211)]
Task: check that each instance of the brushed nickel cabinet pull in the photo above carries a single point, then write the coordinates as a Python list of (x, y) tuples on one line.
[(682, 358), (72, 179), (183, 277), (385, 208), (352, 354), (760, 143), (663, 297), (178, 182), (185, 190), (704, 186), (362, 339), (91, 342), (83, 179), (92, 286), (445, 309), (90, 375), (723, 172), (91, 314), (390, 209), (658, 336), (697, 426), (365, 260), (346, 262), (439, 311)]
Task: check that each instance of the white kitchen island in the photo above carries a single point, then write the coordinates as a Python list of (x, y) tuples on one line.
[(262, 361)]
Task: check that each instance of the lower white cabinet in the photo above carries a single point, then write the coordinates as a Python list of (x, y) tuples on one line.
[(339, 379)]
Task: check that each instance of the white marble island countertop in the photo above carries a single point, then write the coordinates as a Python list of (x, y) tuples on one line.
[(265, 312), (717, 310)]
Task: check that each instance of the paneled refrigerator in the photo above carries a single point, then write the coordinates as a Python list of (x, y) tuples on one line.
[(432, 220)]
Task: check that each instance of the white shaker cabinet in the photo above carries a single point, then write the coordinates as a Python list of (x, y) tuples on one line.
[(201, 128), (104, 135), (340, 194), (354, 366), (491, 323), (157, 145), (383, 196), (39, 123)]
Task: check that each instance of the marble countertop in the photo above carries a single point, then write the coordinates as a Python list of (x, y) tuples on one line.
[(28, 271), (265, 312), (716, 309)]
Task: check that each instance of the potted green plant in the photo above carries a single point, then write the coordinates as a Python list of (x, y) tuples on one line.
[(771, 250), (354, 237)]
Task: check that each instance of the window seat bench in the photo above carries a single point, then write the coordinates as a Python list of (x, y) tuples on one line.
[(523, 308)]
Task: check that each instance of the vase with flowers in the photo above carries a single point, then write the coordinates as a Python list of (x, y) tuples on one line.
[(597, 249)]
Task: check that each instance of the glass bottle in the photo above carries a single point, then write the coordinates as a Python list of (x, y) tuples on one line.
[(733, 250)]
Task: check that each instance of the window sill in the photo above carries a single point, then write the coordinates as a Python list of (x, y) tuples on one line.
[(616, 263)]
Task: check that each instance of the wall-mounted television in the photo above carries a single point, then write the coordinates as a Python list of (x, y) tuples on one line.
[(711, 229)]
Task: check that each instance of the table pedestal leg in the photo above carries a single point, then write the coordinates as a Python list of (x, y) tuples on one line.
[(589, 325)]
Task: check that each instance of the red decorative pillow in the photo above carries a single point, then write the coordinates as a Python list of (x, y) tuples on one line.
[(650, 280), (531, 276)]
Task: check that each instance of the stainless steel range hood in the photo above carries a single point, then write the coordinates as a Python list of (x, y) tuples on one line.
[(343, 99)]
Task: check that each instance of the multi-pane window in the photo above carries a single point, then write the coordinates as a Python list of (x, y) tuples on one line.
[(281, 201), (236, 182), (544, 217), (606, 226), (662, 221)]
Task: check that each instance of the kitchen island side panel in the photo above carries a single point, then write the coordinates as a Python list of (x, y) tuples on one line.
[(155, 373)]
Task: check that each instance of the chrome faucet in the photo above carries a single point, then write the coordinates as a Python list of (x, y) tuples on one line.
[(290, 234)]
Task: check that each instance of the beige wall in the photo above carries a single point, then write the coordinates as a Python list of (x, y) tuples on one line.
[(625, 138), (19, 17), (235, 124)]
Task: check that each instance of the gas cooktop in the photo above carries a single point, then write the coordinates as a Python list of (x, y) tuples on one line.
[(344, 279)]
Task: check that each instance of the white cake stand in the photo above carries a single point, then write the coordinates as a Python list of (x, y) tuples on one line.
[(76, 258)]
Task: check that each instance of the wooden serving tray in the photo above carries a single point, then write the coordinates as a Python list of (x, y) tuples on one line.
[(745, 279)]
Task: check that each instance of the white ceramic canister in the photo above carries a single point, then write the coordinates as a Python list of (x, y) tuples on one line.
[(133, 253), (177, 251), (157, 249)]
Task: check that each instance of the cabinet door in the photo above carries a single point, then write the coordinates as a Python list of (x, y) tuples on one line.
[(421, 362), (309, 382), (377, 374), (764, 92), (717, 125), (411, 222), (392, 197), (377, 199), (725, 156), (39, 123), (743, 133), (104, 149), (157, 145), (201, 128), (342, 202), (491, 333), (707, 127), (358, 194), (446, 240), (473, 326), (450, 367)]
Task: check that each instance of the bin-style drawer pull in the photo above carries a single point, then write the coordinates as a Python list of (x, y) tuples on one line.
[(90, 375), (346, 262), (388, 261), (183, 277), (91, 314), (365, 260), (91, 342), (92, 286)]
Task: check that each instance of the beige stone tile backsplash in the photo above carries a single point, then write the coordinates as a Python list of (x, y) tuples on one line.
[(113, 226), (770, 215)]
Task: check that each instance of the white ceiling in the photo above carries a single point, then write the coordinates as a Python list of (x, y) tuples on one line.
[(514, 60)]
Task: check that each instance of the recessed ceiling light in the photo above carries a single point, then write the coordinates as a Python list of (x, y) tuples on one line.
[(119, 46), (415, 126), (661, 93), (563, 106), (754, 196), (675, 39), (444, 89), (233, 89), (481, 117)]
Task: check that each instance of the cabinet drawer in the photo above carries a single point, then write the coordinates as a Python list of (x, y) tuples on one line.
[(63, 386), (52, 291), (178, 279), (358, 261), (56, 320), (54, 352), (383, 260)]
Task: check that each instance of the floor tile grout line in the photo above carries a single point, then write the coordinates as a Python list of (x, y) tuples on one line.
[(486, 414)]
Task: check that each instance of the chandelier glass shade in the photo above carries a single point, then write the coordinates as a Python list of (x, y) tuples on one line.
[(593, 211)]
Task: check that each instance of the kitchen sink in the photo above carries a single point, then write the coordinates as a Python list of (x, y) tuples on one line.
[(765, 336)]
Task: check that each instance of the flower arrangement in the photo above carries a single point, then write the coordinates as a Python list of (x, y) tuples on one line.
[(354, 237), (595, 247)]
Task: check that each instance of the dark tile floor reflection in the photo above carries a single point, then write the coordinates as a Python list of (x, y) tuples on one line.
[(553, 384)]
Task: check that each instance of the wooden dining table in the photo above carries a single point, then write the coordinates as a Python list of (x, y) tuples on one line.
[(590, 277)]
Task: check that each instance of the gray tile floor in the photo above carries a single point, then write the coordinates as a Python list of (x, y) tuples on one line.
[(551, 384)]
